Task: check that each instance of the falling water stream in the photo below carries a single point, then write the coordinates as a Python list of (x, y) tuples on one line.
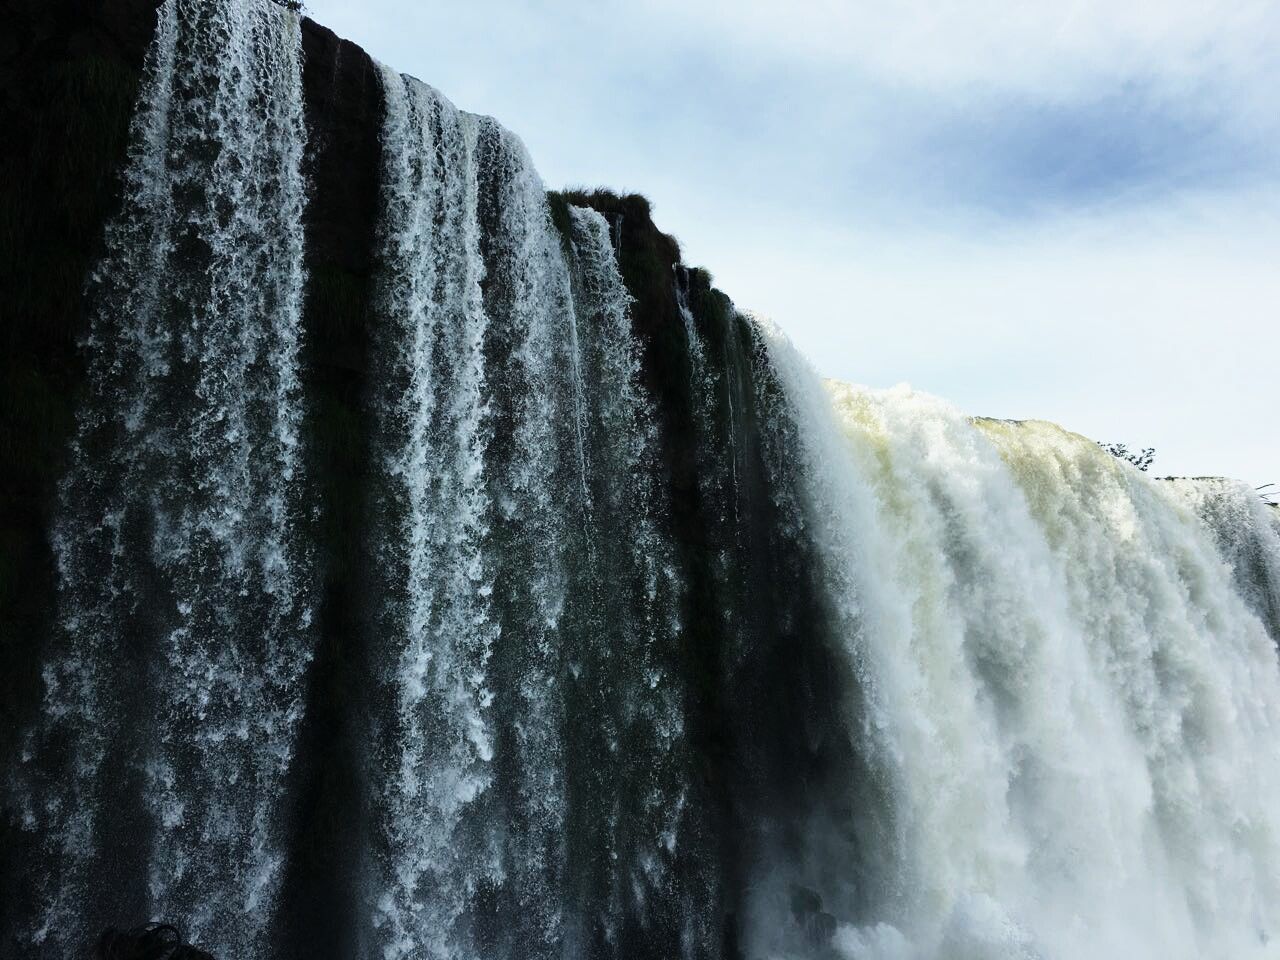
[(523, 558), (184, 601), (1074, 708)]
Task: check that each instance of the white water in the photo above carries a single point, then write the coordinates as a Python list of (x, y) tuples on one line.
[(1074, 714), (634, 631), (439, 423), (1247, 532), (517, 453), (183, 598)]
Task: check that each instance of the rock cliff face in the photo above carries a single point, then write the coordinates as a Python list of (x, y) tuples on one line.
[(68, 78)]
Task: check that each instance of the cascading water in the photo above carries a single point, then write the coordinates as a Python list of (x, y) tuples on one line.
[(625, 707), (1194, 670), (663, 647), (435, 425), (1247, 532), (506, 373), (184, 605), (1073, 711)]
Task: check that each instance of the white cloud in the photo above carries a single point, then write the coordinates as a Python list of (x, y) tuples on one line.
[(1043, 48), (1159, 329), (1000, 201)]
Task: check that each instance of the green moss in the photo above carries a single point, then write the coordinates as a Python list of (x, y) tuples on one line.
[(701, 277), (646, 261)]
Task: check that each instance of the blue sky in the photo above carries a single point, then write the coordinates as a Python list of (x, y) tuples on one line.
[(1065, 210)]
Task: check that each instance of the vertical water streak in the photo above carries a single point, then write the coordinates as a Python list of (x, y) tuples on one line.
[(770, 690), (627, 631), (237, 658), (697, 360), (1247, 532), (517, 450), (432, 423), (538, 483), (82, 702), (183, 588), (713, 385)]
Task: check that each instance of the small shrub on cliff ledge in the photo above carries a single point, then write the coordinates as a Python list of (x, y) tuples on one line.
[(1120, 451)]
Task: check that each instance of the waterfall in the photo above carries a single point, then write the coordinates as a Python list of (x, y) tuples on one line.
[(1247, 532), (184, 606), (644, 642), (517, 452), (625, 705), (436, 428), (1073, 711)]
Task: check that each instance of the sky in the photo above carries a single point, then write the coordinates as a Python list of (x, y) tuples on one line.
[(1064, 210)]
